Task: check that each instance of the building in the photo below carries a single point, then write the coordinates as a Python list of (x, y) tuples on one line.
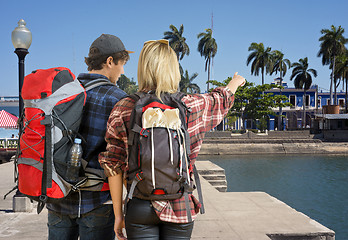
[(295, 116), (315, 102)]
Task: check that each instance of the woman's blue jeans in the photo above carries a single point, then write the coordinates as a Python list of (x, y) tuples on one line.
[(95, 225)]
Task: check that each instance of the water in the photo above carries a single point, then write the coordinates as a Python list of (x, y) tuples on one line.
[(315, 185), (14, 110)]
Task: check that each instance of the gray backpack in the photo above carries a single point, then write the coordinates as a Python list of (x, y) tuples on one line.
[(159, 147)]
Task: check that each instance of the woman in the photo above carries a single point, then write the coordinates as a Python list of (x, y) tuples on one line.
[(158, 70)]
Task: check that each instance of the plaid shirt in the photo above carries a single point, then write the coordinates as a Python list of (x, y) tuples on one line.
[(99, 103), (208, 110)]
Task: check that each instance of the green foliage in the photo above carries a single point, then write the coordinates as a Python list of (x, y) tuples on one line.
[(186, 84), (207, 47), (260, 59), (262, 124), (341, 70), (279, 63), (249, 102), (127, 85), (257, 106), (177, 41), (332, 44), (302, 74)]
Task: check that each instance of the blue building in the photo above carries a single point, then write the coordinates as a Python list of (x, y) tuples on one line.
[(315, 102), (295, 116)]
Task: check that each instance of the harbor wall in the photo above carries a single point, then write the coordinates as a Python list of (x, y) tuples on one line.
[(286, 142)]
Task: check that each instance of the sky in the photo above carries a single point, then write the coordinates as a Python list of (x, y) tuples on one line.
[(62, 32)]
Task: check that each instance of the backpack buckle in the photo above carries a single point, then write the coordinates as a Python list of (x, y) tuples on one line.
[(144, 132), (181, 179), (139, 176)]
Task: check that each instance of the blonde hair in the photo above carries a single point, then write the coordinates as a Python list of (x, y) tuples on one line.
[(158, 68)]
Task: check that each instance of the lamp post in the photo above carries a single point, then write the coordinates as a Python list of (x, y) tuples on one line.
[(21, 40)]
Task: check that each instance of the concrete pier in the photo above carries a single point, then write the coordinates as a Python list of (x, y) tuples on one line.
[(287, 142), (252, 216), (230, 216)]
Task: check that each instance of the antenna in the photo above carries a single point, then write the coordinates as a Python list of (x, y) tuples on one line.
[(212, 32), (212, 21)]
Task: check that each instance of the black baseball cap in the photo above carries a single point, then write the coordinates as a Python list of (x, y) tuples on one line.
[(109, 44)]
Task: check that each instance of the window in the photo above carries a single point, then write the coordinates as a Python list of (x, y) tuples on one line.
[(292, 99), (307, 100), (341, 102)]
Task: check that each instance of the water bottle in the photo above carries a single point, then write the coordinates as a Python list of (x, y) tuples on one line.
[(74, 163)]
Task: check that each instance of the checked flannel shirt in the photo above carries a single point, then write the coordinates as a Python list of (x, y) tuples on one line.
[(99, 103), (208, 110)]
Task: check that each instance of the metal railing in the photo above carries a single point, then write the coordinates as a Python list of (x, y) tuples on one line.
[(6, 143)]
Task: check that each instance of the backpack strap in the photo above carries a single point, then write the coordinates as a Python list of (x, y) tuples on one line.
[(87, 86), (47, 163), (178, 98), (96, 83), (136, 96), (188, 208), (199, 188)]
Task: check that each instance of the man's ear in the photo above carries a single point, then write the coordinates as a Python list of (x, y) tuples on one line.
[(109, 61)]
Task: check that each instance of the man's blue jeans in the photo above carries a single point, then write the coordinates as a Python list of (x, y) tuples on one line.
[(97, 225)]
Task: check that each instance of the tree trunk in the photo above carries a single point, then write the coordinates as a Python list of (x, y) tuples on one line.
[(263, 80), (332, 81), (280, 118), (335, 93), (346, 101), (304, 109), (208, 75)]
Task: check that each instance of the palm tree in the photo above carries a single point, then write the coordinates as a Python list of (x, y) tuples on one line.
[(261, 59), (302, 79), (341, 72), (177, 41), (207, 47), (186, 84), (332, 45), (280, 64)]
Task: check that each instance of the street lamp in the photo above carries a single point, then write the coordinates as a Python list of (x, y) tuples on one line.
[(21, 40)]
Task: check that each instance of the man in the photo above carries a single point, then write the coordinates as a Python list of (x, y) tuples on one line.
[(84, 214)]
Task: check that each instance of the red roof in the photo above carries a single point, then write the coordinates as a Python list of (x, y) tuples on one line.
[(7, 120)]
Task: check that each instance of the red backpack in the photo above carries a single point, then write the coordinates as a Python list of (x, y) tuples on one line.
[(53, 105)]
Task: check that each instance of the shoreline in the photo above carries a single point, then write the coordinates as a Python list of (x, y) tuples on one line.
[(282, 143), (273, 148)]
